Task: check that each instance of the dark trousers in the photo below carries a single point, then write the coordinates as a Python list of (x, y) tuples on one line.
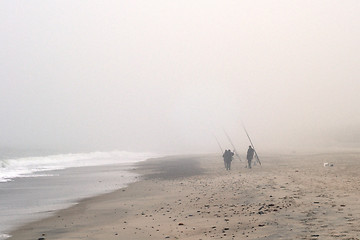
[(227, 165), (249, 163)]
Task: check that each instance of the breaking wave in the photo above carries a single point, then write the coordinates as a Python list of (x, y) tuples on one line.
[(33, 166)]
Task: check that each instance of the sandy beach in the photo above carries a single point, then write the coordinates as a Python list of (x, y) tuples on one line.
[(194, 197)]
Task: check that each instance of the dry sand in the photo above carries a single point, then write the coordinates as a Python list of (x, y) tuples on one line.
[(193, 197)]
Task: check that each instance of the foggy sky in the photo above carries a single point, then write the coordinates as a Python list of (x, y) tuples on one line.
[(167, 76)]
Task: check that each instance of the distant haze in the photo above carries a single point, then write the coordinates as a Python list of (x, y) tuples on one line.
[(167, 76)]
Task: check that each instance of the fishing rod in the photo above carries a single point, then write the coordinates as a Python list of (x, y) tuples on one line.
[(252, 145), (236, 154), (219, 144)]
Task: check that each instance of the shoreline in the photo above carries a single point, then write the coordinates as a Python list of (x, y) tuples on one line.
[(144, 170), (37, 198), (193, 197)]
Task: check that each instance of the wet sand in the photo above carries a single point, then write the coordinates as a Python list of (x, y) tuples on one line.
[(193, 197)]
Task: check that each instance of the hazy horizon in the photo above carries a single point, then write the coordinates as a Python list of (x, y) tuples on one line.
[(167, 76)]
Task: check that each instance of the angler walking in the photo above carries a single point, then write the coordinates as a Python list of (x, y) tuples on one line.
[(251, 151), (250, 156), (228, 156)]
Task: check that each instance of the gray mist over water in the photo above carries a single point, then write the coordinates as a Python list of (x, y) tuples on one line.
[(168, 75)]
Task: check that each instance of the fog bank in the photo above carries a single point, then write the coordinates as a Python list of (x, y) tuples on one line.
[(167, 76)]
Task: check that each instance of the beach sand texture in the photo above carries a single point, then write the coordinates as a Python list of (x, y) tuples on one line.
[(193, 197)]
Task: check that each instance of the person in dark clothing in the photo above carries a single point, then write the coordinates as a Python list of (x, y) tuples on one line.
[(228, 156), (231, 155), (250, 155), (225, 156)]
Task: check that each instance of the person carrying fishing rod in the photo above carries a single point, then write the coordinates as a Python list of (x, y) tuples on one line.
[(228, 157), (250, 155), (251, 151)]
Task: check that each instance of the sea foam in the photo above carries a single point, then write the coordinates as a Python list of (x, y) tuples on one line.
[(33, 166), (4, 236)]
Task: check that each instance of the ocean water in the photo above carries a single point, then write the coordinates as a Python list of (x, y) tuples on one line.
[(34, 187)]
